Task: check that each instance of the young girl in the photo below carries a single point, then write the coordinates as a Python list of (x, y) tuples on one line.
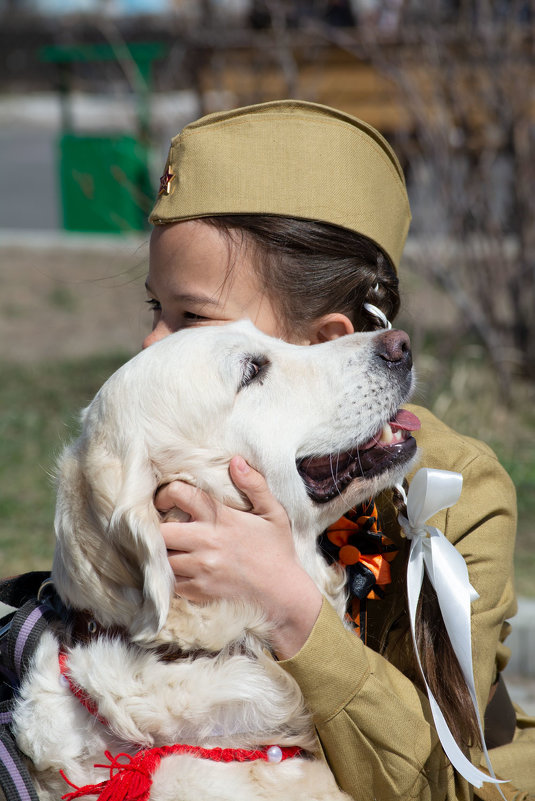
[(295, 216)]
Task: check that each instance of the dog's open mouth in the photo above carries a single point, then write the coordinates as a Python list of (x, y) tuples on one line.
[(326, 476)]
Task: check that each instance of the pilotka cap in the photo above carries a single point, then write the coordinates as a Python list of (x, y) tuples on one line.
[(290, 158)]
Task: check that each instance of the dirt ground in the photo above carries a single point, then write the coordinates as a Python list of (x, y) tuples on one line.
[(72, 301)]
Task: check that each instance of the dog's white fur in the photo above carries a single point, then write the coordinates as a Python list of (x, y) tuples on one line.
[(179, 410)]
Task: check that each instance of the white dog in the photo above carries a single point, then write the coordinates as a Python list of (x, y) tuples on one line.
[(152, 669)]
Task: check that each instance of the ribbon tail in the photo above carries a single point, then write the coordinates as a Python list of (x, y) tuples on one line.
[(420, 558), (431, 491), (454, 592), (458, 760)]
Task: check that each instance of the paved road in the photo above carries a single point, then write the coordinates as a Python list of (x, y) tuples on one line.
[(29, 196)]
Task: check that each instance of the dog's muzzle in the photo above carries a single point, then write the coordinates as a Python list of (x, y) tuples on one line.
[(327, 476)]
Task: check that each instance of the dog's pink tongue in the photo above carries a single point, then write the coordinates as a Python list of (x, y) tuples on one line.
[(406, 421)]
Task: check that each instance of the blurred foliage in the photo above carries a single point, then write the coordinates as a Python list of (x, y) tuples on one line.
[(463, 391)]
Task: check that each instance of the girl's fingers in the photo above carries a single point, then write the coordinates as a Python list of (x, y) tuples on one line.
[(189, 499), (194, 573), (254, 485), (179, 537), (165, 497), (181, 565), (199, 506)]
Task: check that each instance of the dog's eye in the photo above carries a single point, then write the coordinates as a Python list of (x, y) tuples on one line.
[(252, 367)]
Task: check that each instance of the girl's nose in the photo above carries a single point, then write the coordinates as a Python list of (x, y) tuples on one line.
[(160, 331)]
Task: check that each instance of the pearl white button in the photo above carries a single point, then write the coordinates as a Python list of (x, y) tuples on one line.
[(274, 754)]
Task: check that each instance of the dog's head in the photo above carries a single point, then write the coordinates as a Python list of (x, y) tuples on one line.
[(321, 423)]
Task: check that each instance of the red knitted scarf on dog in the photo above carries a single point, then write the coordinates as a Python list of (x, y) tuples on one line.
[(131, 779), (355, 542)]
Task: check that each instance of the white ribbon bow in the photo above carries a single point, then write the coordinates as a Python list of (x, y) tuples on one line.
[(431, 491)]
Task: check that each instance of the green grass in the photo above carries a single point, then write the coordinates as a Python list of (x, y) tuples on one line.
[(39, 405)]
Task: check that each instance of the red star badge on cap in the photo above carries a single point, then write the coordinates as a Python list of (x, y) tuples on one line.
[(165, 181)]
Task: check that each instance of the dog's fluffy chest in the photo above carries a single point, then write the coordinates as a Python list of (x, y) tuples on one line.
[(230, 700)]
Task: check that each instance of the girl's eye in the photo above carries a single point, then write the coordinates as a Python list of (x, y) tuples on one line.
[(253, 367), (192, 316), (153, 304)]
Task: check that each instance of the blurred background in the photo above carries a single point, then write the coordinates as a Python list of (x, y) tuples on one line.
[(91, 91)]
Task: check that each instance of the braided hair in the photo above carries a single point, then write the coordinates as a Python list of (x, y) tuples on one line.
[(309, 269)]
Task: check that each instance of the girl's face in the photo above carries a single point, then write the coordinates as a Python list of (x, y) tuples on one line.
[(189, 282)]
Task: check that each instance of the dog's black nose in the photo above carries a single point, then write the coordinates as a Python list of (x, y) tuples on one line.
[(395, 348)]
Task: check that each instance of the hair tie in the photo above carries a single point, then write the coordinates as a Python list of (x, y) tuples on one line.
[(378, 314)]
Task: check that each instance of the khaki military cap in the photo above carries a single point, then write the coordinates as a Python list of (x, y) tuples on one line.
[(289, 158)]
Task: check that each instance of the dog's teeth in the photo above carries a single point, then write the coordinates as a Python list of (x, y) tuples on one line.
[(387, 435)]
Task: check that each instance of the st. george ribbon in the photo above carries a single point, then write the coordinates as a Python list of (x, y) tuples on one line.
[(431, 491)]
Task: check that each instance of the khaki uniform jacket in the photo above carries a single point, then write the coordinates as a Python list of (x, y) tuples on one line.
[(374, 726)]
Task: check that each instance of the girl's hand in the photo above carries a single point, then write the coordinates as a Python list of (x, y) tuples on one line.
[(226, 553)]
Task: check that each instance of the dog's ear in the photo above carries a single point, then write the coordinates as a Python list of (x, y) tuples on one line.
[(110, 557)]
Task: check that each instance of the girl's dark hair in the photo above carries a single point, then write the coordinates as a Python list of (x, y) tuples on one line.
[(443, 671), (309, 269)]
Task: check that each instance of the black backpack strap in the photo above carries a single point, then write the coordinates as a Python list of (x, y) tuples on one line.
[(15, 591), (15, 780), (36, 606), (20, 641)]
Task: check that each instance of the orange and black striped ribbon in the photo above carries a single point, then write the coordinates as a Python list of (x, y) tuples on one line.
[(355, 542)]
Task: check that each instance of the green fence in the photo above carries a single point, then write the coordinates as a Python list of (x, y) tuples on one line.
[(105, 184), (104, 178)]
